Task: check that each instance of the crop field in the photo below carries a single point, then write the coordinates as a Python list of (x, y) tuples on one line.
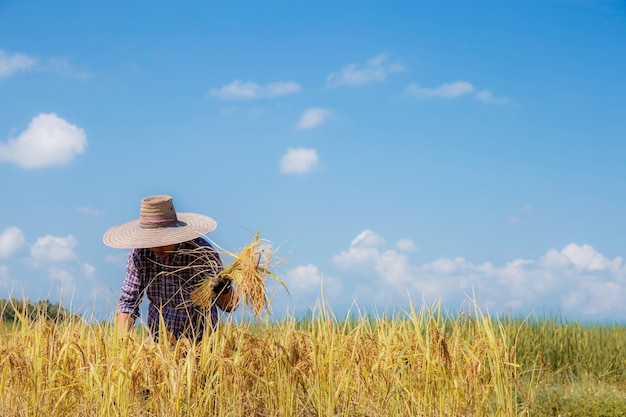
[(420, 363)]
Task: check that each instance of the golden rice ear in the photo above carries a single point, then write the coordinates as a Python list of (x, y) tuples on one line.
[(248, 270)]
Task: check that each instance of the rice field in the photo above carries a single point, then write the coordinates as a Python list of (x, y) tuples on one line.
[(419, 363)]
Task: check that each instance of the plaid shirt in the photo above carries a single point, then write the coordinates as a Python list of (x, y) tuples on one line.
[(168, 284)]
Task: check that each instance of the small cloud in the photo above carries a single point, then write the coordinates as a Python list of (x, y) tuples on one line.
[(406, 245), (375, 69), (54, 249), (238, 90), (281, 88), (48, 141), (299, 161), (305, 277), (312, 117), (577, 278), (11, 241), (487, 97), (309, 279), (362, 254), (586, 257), (595, 298), (365, 257), (445, 91), (89, 270), (367, 239), (10, 64)]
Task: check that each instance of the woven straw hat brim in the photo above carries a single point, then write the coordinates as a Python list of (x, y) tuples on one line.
[(131, 235)]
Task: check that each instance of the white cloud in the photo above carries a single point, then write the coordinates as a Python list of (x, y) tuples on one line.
[(11, 241), (54, 249), (312, 117), (238, 90), (280, 88), (307, 279), (554, 260), (394, 268), (576, 279), (595, 298), (299, 161), (304, 277), (10, 64), (365, 258), (444, 266), (89, 270), (368, 238), (357, 259), (48, 141), (487, 96), (586, 257), (375, 69), (406, 245), (445, 91)]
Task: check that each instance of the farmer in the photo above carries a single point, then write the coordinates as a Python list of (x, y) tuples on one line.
[(169, 258)]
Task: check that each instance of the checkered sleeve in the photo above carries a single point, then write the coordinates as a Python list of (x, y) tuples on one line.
[(133, 287)]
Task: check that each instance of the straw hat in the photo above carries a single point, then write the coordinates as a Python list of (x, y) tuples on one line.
[(158, 225)]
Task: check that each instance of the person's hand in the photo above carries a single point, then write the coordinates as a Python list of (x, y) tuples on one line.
[(221, 285)]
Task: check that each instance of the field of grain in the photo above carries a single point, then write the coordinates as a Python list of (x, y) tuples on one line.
[(420, 363)]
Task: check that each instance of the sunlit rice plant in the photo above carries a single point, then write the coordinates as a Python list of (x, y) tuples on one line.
[(421, 362), (248, 269), (418, 364)]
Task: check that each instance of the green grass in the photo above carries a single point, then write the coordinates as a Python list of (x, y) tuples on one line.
[(570, 368)]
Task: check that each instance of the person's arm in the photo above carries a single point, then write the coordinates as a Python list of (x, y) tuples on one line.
[(125, 322), (131, 294)]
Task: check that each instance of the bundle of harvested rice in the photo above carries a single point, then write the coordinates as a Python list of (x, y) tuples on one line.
[(248, 271)]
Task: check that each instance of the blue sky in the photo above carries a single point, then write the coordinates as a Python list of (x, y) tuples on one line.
[(389, 151)]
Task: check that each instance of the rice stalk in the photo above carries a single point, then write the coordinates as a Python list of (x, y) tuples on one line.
[(248, 270)]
